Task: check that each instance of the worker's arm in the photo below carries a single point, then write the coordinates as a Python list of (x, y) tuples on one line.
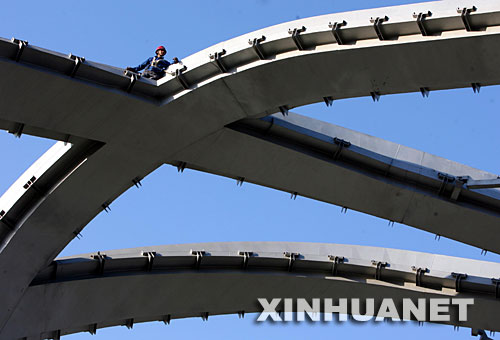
[(141, 66)]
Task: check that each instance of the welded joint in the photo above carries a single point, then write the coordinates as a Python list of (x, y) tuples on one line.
[(419, 273), (336, 260), (129, 323), (465, 15), (77, 62), (328, 101), (496, 282), (17, 130), (166, 319), (476, 87), (335, 27), (179, 75), (181, 166), (133, 76), (240, 181), (204, 316), (199, 256), (379, 265), (296, 37), (425, 92), (377, 25), (256, 46), (341, 144), (150, 259), (420, 21), (246, 257), (292, 257), (101, 259), (30, 182), (217, 60), (93, 329), (21, 45), (459, 277)]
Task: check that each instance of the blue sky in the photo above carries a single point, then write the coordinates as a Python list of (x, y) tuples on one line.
[(195, 207)]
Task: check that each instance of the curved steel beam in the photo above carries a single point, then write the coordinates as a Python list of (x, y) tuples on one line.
[(128, 286), (325, 162)]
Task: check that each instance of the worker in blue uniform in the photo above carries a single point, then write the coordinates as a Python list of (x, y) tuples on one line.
[(154, 67)]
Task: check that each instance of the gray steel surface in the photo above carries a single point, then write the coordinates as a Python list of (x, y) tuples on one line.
[(122, 129), (127, 286)]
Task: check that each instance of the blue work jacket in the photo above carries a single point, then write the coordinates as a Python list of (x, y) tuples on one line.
[(156, 64)]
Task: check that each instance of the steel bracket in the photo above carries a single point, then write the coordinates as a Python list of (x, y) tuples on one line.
[(445, 178), (375, 96), (284, 110), (458, 280), (166, 319), (199, 255), (21, 45), (425, 92), (465, 14), (341, 144), (129, 323), (379, 266), (78, 61), (377, 25), (420, 21), (105, 207), (328, 101), (240, 181), (204, 316), (179, 75), (292, 257), (296, 37), (137, 182), (336, 260), (151, 257), (497, 287), (476, 87), (101, 258), (256, 46), (419, 272), (241, 314), (336, 26), (217, 59), (246, 256), (17, 131), (93, 329), (133, 76), (181, 166)]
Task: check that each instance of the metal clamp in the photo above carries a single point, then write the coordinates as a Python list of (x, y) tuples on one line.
[(377, 25), (420, 272), (420, 21), (257, 47), (151, 256), (341, 145), (199, 255), (292, 257), (336, 26), (78, 61), (465, 14), (296, 37), (101, 258), (458, 280), (497, 287), (29, 183), (180, 77), (217, 59), (133, 78), (246, 256), (336, 260), (20, 49), (445, 180), (379, 266)]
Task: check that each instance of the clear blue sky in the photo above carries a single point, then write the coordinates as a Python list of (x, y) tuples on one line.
[(196, 207)]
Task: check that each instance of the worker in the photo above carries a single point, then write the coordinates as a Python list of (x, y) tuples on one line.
[(154, 67)]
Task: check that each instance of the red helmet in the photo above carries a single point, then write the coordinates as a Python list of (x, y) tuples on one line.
[(161, 48)]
